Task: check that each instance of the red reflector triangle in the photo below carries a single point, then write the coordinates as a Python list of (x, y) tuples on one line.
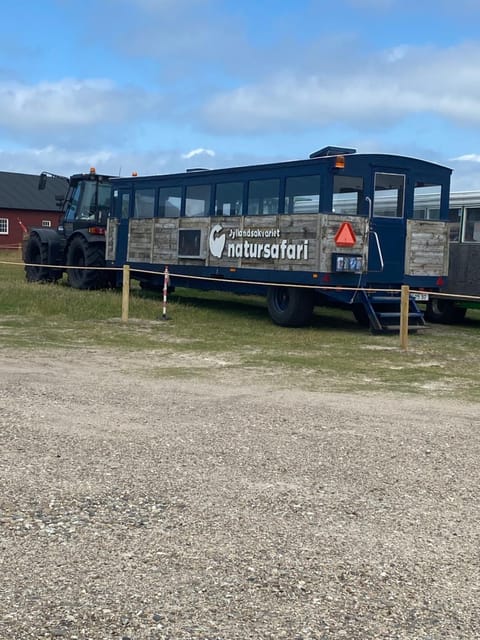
[(345, 236)]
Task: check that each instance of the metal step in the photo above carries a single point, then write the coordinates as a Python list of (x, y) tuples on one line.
[(384, 313), (385, 299), (411, 327), (396, 314)]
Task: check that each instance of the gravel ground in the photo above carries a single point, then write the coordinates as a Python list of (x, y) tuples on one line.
[(141, 507)]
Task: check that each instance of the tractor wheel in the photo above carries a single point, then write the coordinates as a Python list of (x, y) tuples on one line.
[(289, 306), (36, 257), (82, 253), (444, 311)]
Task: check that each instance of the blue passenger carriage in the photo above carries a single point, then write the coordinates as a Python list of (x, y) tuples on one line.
[(337, 228)]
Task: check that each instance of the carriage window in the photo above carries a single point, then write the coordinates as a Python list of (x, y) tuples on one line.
[(426, 213), (389, 195), (263, 197), (419, 213), (347, 195), (426, 201), (302, 194), (197, 202), (124, 204), (169, 202), (454, 218), (144, 201), (472, 225), (229, 199)]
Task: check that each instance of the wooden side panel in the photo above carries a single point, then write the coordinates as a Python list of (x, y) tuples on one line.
[(223, 227), (330, 226), (140, 240), (302, 242), (426, 251), (165, 241)]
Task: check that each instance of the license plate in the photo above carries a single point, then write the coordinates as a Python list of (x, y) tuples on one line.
[(420, 297)]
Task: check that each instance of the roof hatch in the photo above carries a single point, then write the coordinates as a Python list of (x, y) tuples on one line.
[(332, 151)]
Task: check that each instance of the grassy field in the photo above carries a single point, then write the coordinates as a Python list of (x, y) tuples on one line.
[(334, 353)]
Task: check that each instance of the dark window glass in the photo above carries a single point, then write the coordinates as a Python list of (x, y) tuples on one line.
[(125, 205), (347, 194), (454, 218), (472, 224), (169, 202), (302, 194), (426, 201), (144, 203), (229, 199), (389, 195), (263, 197), (197, 201)]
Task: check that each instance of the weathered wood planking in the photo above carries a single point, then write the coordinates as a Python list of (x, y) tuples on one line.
[(140, 240), (426, 251), (330, 225), (156, 240)]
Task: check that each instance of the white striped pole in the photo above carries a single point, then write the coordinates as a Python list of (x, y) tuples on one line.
[(404, 307), (125, 292), (166, 281)]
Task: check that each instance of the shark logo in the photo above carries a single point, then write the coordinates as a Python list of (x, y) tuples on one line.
[(217, 240)]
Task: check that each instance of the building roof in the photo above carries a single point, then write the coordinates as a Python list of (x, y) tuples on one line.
[(20, 191)]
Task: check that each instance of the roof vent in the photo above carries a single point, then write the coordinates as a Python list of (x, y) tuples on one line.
[(332, 151), (193, 169)]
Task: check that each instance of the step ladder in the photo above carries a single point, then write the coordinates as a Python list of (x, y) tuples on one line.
[(382, 312)]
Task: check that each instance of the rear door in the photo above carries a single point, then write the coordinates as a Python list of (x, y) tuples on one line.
[(122, 199), (387, 228)]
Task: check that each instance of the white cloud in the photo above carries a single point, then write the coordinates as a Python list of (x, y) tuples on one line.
[(384, 89), (68, 102), (198, 152), (110, 161), (467, 157)]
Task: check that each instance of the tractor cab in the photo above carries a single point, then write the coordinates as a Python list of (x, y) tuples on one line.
[(79, 240), (86, 203)]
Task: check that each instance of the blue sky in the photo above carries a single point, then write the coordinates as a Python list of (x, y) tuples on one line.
[(155, 86)]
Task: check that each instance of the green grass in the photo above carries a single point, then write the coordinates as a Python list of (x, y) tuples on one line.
[(332, 354)]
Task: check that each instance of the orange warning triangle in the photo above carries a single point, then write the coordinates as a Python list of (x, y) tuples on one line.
[(345, 236)]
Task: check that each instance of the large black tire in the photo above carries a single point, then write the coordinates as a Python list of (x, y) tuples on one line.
[(36, 257), (290, 306), (82, 253), (444, 311)]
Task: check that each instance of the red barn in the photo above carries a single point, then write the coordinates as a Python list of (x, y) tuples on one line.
[(23, 205)]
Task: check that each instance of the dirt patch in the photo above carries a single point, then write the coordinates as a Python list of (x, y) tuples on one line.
[(230, 504)]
